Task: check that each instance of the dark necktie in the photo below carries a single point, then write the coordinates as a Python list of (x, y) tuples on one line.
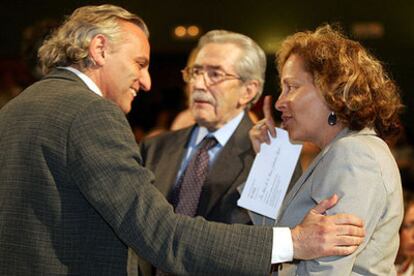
[(186, 194), (188, 189)]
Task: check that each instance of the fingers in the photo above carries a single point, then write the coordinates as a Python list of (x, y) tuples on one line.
[(325, 205), (258, 135), (260, 132), (267, 107), (341, 250), (350, 231), (344, 245), (255, 138), (314, 241), (255, 143), (346, 219), (319, 235), (267, 111), (348, 240)]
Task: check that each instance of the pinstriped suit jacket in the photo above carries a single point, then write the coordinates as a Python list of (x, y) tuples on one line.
[(73, 196)]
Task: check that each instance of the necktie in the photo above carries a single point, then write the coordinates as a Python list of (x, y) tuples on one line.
[(189, 186), (186, 194)]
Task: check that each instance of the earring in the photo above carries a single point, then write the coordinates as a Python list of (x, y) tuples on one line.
[(332, 118)]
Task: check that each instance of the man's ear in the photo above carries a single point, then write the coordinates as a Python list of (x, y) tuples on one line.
[(98, 48), (251, 88)]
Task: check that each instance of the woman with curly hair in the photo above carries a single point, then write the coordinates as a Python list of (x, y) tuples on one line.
[(338, 97)]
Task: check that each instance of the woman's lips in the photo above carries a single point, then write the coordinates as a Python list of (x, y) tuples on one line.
[(285, 120)]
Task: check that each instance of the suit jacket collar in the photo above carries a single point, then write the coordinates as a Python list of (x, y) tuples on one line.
[(59, 73), (85, 79), (227, 166)]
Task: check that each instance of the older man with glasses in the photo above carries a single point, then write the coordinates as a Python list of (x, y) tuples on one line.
[(199, 168), (225, 79)]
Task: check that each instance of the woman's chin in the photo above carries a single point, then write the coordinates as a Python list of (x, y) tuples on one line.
[(292, 134)]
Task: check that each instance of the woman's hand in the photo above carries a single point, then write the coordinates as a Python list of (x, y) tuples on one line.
[(260, 131)]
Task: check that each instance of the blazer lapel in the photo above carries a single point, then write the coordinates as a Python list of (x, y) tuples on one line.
[(173, 156), (295, 189), (232, 160)]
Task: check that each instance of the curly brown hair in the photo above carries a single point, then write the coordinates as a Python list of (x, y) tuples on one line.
[(353, 82)]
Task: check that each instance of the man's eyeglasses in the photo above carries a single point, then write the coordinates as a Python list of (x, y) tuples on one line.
[(210, 75)]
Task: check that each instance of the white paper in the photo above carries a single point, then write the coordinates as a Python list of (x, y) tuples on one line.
[(270, 176)]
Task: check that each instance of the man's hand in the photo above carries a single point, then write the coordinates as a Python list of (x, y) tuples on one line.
[(260, 132), (319, 235)]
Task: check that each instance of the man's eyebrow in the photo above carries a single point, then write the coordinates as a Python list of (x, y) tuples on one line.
[(215, 67), (142, 60)]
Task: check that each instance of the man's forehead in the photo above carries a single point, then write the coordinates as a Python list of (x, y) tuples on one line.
[(207, 66), (134, 33), (136, 40), (217, 55)]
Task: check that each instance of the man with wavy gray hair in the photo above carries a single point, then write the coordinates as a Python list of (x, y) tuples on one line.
[(224, 79), (73, 193)]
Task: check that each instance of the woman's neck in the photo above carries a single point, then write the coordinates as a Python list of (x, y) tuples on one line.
[(328, 134)]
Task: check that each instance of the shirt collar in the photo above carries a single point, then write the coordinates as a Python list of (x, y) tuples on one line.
[(222, 134), (87, 80)]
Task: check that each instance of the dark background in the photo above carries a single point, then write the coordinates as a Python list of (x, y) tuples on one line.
[(265, 21)]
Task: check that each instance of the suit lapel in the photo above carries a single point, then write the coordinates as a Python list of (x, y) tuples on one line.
[(173, 156), (229, 164), (295, 189)]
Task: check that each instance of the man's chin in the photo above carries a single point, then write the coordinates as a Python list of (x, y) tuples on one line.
[(203, 120), (126, 108), (201, 112)]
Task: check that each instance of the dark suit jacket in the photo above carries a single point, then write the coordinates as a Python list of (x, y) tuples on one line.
[(163, 155), (74, 196)]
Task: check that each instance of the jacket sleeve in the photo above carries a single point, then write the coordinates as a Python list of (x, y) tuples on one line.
[(105, 163), (350, 170)]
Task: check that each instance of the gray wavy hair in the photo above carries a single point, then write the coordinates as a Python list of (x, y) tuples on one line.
[(69, 44), (251, 64)]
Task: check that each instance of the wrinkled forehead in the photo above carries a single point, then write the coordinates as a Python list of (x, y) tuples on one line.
[(218, 55)]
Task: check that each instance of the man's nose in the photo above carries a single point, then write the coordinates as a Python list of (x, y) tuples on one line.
[(200, 81), (145, 81)]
